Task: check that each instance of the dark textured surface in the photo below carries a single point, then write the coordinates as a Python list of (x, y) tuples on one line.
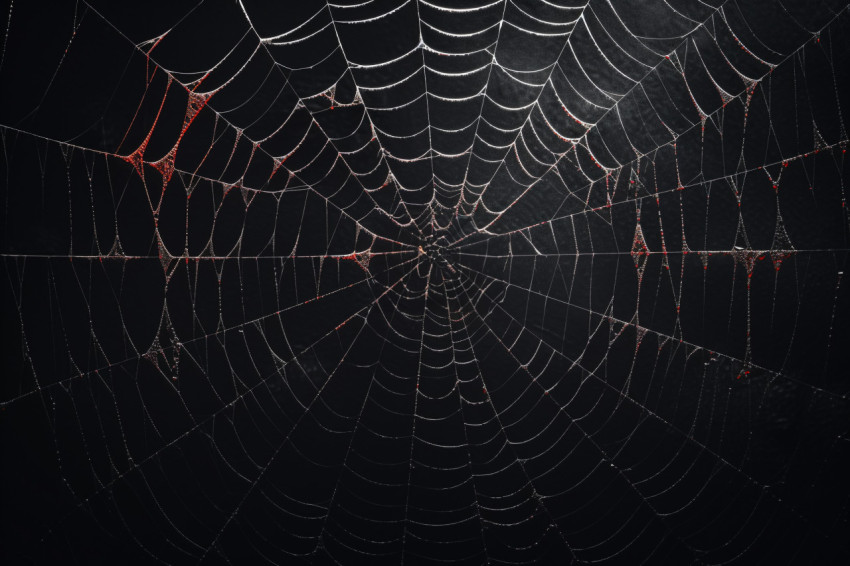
[(521, 282)]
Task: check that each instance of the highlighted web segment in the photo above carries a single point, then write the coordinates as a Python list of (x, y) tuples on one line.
[(501, 282)]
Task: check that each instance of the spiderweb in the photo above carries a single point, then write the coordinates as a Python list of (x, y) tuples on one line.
[(494, 282)]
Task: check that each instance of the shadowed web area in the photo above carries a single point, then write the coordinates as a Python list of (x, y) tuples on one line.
[(421, 281)]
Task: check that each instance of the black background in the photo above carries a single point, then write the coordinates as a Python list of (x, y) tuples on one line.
[(670, 441)]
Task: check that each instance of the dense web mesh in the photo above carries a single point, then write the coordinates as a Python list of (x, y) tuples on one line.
[(503, 282)]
